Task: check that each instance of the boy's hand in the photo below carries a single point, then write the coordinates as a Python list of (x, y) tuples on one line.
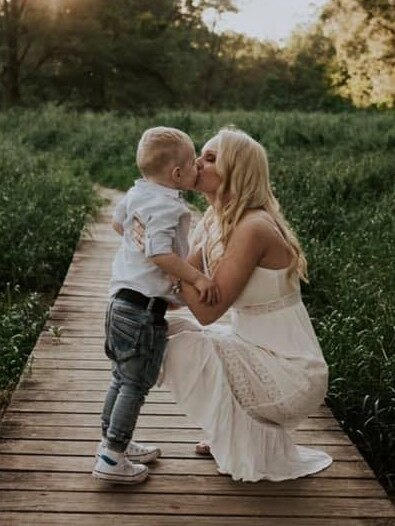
[(173, 306), (208, 290), (117, 227)]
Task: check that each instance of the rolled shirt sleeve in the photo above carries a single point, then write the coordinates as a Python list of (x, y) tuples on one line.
[(160, 232), (120, 211)]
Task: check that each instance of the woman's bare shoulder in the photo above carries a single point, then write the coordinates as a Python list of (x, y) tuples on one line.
[(251, 237), (258, 223)]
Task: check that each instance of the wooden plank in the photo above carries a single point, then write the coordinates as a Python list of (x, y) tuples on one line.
[(65, 302), (170, 466), (95, 502), (58, 353), (104, 519), (78, 420), (68, 316), (87, 282), (51, 384), (83, 332), (77, 299), (192, 484), (347, 453), (69, 376), (20, 430), (87, 408), (78, 321), (83, 396), (45, 341), (165, 421), (58, 365), (88, 308), (94, 350), (19, 406)]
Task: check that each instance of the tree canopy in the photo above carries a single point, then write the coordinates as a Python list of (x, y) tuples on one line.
[(145, 54), (363, 35)]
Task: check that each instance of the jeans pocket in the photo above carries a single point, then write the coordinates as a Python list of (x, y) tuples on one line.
[(125, 337)]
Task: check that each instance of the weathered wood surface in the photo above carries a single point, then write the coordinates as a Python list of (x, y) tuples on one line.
[(49, 434)]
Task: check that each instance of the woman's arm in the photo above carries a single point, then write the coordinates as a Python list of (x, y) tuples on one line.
[(195, 259), (244, 251)]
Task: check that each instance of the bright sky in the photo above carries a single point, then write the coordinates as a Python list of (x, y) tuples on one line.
[(269, 19)]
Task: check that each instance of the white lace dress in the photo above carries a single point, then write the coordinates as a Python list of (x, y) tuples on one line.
[(248, 383)]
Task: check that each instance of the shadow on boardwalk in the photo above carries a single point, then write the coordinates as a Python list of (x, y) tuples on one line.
[(50, 430)]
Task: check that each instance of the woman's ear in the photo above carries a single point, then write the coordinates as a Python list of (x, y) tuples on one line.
[(176, 174)]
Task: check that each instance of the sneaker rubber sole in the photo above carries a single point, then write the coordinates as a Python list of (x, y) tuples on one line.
[(142, 459), (118, 479), (145, 459)]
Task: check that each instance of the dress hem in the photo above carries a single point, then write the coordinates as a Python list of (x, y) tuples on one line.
[(270, 478)]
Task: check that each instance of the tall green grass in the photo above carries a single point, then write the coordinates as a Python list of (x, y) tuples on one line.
[(45, 199), (335, 178)]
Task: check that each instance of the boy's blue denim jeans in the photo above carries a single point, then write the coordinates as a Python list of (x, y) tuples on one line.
[(135, 342)]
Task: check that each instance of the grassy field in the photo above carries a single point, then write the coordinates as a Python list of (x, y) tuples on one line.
[(335, 178), (45, 199)]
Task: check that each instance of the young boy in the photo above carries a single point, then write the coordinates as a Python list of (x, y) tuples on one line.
[(140, 291)]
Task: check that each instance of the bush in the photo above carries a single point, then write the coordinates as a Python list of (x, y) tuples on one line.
[(45, 198), (43, 208), (21, 320)]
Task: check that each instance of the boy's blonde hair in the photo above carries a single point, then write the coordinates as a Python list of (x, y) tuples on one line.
[(162, 147), (242, 165)]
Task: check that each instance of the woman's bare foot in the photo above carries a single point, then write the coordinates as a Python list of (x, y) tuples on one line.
[(202, 448)]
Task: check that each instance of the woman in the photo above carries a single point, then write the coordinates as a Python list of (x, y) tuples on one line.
[(249, 383)]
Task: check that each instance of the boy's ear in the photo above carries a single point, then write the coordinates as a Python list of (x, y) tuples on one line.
[(176, 174)]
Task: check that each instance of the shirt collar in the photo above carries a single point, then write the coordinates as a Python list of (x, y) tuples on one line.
[(158, 188)]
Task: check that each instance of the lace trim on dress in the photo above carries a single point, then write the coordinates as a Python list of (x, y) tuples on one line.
[(254, 386), (271, 306), (240, 380)]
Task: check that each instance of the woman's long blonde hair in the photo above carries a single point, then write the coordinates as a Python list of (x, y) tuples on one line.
[(242, 166)]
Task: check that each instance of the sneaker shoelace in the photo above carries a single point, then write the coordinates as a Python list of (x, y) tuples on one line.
[(136, 448)]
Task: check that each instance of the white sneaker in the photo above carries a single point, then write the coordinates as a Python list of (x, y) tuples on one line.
[(136, 452), (115, 467)]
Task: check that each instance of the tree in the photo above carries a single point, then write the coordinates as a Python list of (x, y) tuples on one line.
[(100, 54), (12, 53), (207, 47), (363, 34), (310, 55), (27, 35)]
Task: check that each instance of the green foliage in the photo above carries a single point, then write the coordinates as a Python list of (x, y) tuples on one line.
[(362, 33), (355, 323), (21, 319), (104, 56), (45, 198), (43, 208)]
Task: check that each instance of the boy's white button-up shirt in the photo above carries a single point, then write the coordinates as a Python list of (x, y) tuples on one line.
[(166, 217)]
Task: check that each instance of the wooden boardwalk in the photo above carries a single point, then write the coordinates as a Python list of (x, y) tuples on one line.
[(49, 434)]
